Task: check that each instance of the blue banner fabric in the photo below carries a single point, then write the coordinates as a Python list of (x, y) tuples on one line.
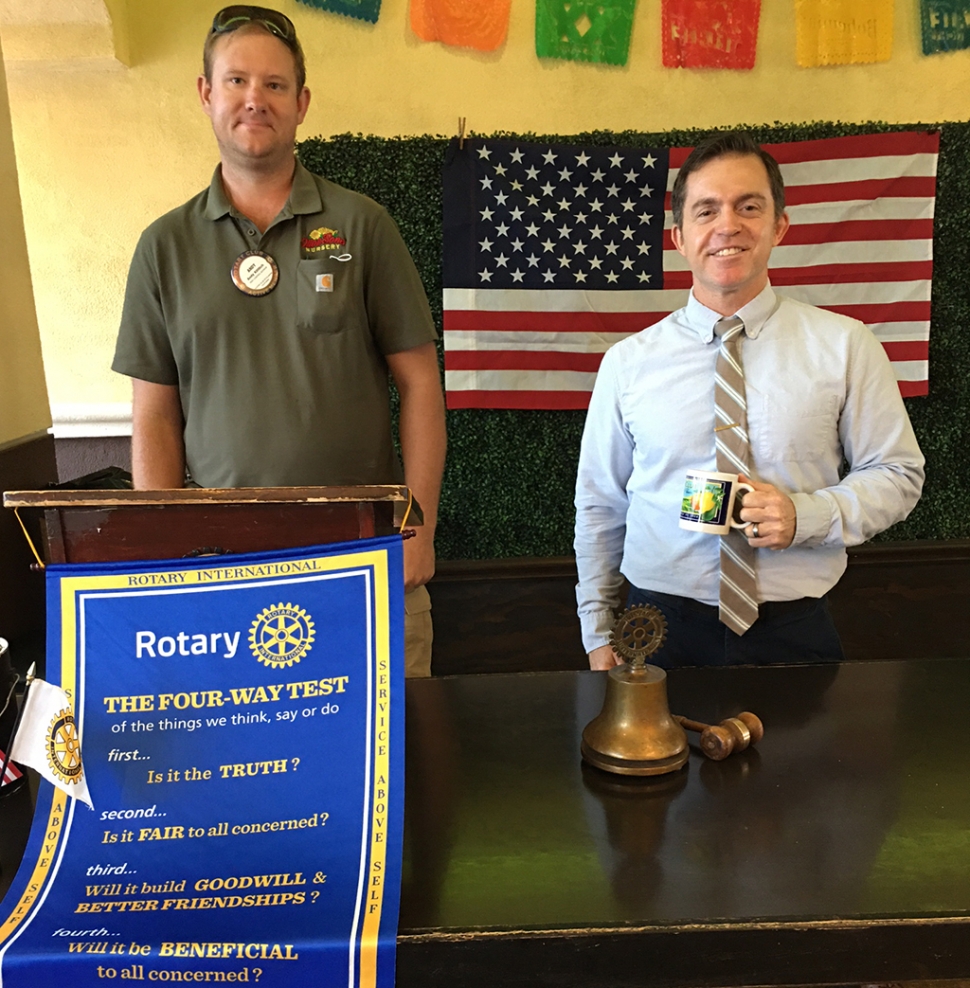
[(241, 726)]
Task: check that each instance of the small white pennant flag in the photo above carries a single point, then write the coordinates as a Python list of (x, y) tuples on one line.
[(47, 740)]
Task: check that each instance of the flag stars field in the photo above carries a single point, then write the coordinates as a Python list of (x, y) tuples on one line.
[(521, 187)]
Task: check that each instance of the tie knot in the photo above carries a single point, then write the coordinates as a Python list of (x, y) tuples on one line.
[(729, 328)]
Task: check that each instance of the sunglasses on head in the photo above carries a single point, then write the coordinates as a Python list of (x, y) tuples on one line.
[(230, 18)]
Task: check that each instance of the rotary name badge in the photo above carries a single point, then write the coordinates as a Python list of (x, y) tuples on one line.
[(255, 273)]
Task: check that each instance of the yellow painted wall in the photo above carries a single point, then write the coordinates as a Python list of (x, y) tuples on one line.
[(23, 393), (103, 149)]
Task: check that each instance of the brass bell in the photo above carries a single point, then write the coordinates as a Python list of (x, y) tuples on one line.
[(634, 733)]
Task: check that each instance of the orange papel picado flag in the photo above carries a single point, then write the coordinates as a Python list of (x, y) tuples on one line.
[(480, 24)]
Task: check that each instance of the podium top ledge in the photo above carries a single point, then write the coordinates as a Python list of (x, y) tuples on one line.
[(202, 495)]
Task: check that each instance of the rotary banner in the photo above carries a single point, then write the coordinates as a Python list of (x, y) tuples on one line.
[(242, 725)]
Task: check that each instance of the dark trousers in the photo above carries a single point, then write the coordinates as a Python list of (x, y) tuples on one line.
[(788, 631)]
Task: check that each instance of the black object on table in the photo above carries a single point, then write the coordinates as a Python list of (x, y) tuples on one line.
[(836, 851)]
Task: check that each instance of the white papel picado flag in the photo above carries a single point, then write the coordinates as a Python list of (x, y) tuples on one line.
[(47, 740)]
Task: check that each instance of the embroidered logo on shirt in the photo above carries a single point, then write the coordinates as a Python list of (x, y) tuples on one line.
[(324, 283), (323, 238)]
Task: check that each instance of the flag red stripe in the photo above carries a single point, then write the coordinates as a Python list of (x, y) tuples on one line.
[(546, 360), (903, 186), (850, 230), (884, 312), (907, 349), (859, 230), (830, 274), (843, 274), (568, 360), (913, 389), (856, 146), (539, 400), (830, 148), (558, 322), (678, 156), (906, 186), (558, 400)]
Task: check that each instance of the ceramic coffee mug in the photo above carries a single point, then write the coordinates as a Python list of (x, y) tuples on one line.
[(708, 502)]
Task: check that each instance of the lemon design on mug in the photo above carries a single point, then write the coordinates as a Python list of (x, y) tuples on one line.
[(702, 502)]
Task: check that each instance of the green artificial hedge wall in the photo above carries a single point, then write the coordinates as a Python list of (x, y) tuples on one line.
[(508, 486)]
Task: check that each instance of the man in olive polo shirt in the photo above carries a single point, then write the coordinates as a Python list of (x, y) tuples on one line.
[(262, 317)]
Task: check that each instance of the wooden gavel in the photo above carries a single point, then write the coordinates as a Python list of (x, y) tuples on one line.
[(732, 734)]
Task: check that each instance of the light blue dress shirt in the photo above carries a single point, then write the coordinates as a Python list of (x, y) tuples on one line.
[(820, 392)]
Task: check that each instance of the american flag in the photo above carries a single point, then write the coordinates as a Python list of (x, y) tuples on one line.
[(11, 773), (553, 253)]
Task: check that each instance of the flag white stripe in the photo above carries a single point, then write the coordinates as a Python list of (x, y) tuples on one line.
[(561, 300), (529, 340), (895, 208), (865, 210), (518, 380), (567, 300), (901, 332), (911, 370), (807, 256), (835, 171), (535, 340), (558, 380), (860, 292)]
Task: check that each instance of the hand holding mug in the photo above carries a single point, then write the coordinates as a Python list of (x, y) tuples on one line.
[(769, 514)]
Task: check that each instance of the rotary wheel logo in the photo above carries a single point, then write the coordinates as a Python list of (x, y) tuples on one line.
[(281, 635), (64, 748)]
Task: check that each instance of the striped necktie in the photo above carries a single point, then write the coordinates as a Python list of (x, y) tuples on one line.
[(738, 594)]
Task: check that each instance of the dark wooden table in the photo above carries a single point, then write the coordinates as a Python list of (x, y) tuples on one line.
[(838, 851)]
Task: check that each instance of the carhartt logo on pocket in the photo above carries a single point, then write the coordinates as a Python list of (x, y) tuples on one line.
[(324, 283)]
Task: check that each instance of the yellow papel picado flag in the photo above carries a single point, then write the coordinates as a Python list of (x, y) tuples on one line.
[(47, 740)]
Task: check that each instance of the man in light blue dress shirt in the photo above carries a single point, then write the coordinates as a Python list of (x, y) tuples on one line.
[(833, 455)]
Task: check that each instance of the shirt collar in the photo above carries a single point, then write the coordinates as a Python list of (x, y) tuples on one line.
[(754, 315), (304, 196)]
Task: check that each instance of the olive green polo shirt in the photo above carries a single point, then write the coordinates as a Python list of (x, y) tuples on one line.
[(291, 388)]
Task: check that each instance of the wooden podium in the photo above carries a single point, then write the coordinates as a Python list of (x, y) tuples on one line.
[(122, 525)]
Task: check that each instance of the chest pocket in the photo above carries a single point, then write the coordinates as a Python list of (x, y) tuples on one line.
[(321, 293), (797, 427)]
